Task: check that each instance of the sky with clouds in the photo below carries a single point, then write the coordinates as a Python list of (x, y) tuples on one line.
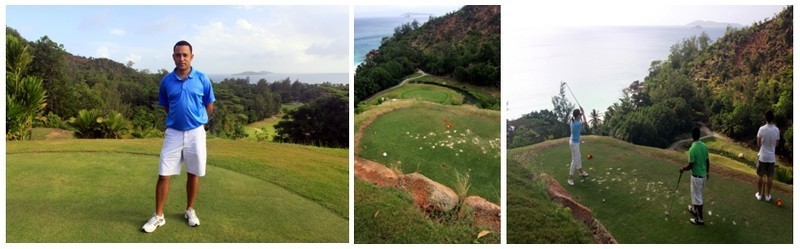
[(225, 39)]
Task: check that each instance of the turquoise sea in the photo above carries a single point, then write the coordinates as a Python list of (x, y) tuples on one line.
[(368, 32)]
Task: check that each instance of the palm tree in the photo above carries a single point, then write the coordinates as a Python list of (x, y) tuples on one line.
[(25, 95), (595, 120)]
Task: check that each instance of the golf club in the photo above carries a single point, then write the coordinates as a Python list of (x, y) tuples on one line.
[(570, 92), (674, 194)]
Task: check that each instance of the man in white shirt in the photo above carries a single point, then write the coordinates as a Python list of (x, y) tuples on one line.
[(767, 139)]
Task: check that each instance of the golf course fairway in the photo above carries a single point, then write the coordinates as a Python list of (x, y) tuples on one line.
[(103, 191), (630, 188)]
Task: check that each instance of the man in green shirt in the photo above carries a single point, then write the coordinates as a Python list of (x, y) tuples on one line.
[(699, 165)]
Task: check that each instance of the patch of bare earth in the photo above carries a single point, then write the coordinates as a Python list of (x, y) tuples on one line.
[(582, 213)]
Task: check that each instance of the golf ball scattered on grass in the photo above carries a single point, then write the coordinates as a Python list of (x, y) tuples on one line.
[(666, 213)]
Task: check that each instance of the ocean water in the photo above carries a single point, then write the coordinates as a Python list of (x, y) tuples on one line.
[(368, 32), (311, 78), (596, 62)]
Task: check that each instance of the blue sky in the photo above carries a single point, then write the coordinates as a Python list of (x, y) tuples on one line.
[(226, 39)]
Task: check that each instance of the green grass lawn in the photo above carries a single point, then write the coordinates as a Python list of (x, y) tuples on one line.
[(267, 125), (535, 218), (630, 187), (377, 213), (430, 93), (416, 139), (103, 191)]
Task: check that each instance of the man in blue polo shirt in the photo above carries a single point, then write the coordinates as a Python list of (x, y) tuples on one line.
[(188, 99)]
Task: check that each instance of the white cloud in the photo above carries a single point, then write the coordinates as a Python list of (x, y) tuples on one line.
[(133, 57), (242, 23), (102, 52), (118, 32), (280, 45)]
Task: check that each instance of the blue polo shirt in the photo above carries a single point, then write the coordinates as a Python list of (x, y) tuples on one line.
[(576, 126), (186, 99)]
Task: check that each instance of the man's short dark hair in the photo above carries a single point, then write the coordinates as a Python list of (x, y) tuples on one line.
[(183, 43), (770, 116), (696, 133), (576, 113)]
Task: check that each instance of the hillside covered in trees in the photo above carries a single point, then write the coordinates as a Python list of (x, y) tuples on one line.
[(126, 99), (726, 84), (464, 44)]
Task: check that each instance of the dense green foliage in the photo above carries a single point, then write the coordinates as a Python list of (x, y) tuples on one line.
[(92, 124), (75, 83), (464, 44), (25, 94), (323, 122)]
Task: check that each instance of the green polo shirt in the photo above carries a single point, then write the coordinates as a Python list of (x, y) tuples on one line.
[(698, 155)]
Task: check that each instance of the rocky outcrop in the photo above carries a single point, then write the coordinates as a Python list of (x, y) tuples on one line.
[(428, 194), (485, 213), (375, 173)]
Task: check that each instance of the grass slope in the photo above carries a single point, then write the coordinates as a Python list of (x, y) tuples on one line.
[(102, 191), (629, 189), (416, 139), (536, 219), (376, 220)]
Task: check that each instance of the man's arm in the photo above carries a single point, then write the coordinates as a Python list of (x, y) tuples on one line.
[(209, 108), (687, 167), (585, 122)]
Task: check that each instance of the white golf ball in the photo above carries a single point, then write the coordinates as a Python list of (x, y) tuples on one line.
[(384, 154), (666, 212)]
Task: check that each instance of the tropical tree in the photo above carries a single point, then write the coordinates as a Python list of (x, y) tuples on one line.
[(25, 95), (595, 119)]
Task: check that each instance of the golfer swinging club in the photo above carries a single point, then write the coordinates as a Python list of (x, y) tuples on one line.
[(188, 99), (576, 126), (699, 165)]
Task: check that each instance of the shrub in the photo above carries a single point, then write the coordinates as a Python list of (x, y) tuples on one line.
[(92, 124)]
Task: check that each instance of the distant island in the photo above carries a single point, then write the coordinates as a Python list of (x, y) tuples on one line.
[(253, 73), (699, 24), (410, 14)]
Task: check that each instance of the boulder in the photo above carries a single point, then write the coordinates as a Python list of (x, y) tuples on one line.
[(485, 213), (375, 173), (428, 194)]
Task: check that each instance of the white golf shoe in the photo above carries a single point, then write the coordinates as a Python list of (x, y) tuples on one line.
[(570, 182), (768, 198), (153, 223), (191, 217), (758, 196)]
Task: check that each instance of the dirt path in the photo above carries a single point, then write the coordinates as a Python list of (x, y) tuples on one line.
[(398, 85), (705, 129)]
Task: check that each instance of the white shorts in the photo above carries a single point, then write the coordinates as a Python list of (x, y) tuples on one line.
[(181, 147), (697, 190)]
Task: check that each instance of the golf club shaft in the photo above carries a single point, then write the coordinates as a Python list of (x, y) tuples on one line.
[(573, 94)]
